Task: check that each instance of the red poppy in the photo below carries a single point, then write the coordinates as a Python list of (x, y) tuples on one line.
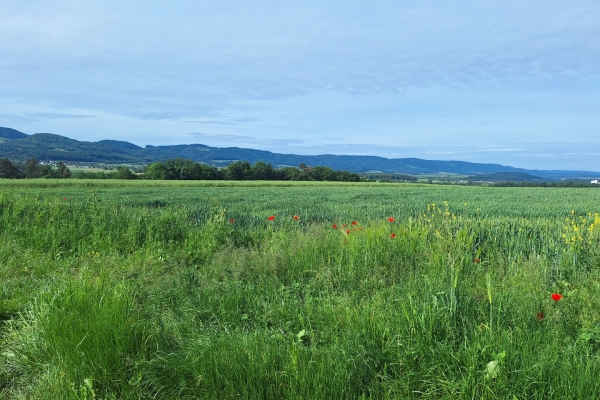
[(556, 296), (540, 316), (391, 219), (347, 231), (296, 217), (476, 261), (271, 218), (334, 226), (64, 199), (231, 221), (392, 235), (353, 222)]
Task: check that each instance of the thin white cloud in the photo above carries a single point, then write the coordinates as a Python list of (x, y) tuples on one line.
[(224, 140), (10, 120), (220, 137), (214, 121), (498, 149), (222, 121), (58, 116)]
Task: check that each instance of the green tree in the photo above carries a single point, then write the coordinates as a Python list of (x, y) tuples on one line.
[(63, 170), (190, 171), (173, 168), (289, 174), (123, 173), (262, 171), (210, 173), (45, 171), (179, 168), (32, 168), (7, 169), (238, 171), (156, 171), (320, 173)]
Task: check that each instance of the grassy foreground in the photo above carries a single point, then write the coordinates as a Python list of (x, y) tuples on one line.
[(174, 291)]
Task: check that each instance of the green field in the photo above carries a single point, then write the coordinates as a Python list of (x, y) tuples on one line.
[(157, 289)]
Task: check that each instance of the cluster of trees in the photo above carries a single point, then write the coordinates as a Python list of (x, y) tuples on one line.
[(32, 169), (181, 169)]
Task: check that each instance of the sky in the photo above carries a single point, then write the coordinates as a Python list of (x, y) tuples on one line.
[(514, 82)]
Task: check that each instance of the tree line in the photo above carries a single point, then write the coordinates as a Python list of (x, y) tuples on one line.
[(32, 169), (182, 169)]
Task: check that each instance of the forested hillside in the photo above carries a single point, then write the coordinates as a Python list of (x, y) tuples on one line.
[(17, 146)]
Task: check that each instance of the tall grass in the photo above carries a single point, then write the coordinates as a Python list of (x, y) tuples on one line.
[(156, 295), (80, 334)]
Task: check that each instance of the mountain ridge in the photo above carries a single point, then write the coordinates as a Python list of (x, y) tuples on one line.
[(19, 146)]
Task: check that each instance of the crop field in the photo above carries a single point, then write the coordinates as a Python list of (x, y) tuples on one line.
[(287, 290)]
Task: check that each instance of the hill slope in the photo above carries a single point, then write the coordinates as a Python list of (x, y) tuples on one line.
[(11, 134), (506, 177), (18, 146)]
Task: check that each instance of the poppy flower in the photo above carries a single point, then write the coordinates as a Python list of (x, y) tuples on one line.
[(540, 316), (353, 222), (296, 217), (392, 235), (476, 261), (334, 226), (556, 296), (391, 219), (271, 218), (347, 231), (64, 199), (231, 221)]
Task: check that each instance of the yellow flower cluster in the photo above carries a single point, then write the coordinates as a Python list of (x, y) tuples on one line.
[(581, 230), (433, 210)]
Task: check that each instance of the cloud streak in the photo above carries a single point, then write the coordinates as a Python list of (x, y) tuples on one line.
[(58, 116)]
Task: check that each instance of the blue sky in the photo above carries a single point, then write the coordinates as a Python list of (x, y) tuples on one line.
[(510, 82)]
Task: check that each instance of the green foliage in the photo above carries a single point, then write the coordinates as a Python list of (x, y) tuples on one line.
[(122, 173), (11, 134), (33, 169), (150, 289), (180, 169), (77, 332), (8, 170), (47, 146)]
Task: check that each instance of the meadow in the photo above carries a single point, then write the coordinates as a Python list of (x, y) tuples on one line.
[(295, 290)]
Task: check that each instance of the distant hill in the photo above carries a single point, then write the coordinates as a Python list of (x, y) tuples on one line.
[(120, 144), (18, 146), (506, 177), (47, 146), (8, 133)]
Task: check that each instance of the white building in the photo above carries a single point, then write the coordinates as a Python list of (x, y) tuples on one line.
[(595, 181)]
